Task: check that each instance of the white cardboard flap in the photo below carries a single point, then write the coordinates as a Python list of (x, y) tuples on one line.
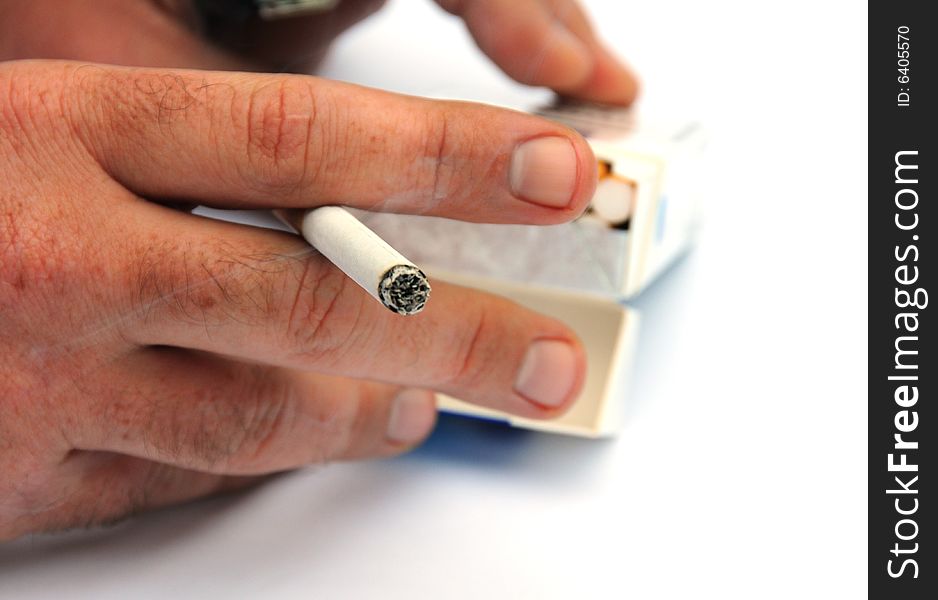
[(609, 332)]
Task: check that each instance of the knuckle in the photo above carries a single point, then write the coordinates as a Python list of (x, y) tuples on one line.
[(337, 426), (200, 437), (273, 426), (240, 435), (276, 132), (325, 315), (470, 361), (365, 424), (438, 149)]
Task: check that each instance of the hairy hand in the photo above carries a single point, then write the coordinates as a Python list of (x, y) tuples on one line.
[(151, 356), (538, 42)]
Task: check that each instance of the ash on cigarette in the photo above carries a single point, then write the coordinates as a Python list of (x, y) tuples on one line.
[(404, 289)]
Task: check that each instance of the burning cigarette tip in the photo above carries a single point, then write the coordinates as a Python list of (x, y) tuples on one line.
[(404, 289)]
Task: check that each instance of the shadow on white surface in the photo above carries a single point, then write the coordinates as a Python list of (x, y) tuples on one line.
[(490, 446), (662, 307), (257, 533), (159, 528), (244, 537)]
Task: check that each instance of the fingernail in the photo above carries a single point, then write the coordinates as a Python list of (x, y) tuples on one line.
[(544, 171), (412, 416), (547, 373)]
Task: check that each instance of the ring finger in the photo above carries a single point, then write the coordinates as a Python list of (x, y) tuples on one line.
[(210, 414)]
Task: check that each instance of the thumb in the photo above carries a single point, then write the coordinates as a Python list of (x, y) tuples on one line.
[(547, 42)]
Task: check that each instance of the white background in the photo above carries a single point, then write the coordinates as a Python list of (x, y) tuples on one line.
[(741, 472)]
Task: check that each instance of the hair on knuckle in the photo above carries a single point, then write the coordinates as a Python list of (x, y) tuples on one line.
[(127, 103), (235, 433), (268, 415), (278, 119), (209, 284)]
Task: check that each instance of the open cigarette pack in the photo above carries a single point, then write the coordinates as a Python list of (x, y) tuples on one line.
[(643, 215)]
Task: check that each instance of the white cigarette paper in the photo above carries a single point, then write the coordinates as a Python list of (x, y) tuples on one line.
[(370, 261)]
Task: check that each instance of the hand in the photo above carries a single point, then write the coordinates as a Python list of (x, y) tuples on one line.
[(538, 42), (152, 356)]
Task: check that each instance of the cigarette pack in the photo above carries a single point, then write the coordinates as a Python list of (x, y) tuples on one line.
[(646, 205), (644, 214)]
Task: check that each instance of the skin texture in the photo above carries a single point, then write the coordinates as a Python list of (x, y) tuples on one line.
[(151, 356)]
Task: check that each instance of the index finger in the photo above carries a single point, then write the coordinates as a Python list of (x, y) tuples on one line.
[(249, 140)]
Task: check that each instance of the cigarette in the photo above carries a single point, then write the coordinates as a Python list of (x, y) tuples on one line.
[(358, 251)]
